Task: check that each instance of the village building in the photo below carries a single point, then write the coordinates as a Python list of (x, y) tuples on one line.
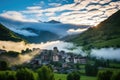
[(55, 54), (82, 60)]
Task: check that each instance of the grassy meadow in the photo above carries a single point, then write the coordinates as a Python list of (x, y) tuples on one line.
[(63, 77)]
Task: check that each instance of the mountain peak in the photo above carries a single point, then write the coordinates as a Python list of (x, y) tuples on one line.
[(53, 21)]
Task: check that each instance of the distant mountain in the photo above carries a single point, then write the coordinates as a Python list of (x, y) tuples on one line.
[(105, 34), (39, 32), (7, 35), (42, 36), (52, 21)]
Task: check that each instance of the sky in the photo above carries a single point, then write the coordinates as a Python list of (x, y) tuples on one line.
[(83, 12)]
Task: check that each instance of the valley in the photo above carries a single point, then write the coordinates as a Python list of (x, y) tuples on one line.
[(55, 48)]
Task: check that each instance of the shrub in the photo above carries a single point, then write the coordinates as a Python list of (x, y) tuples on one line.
[(106, 75), (7, 75), (116, 76), (26, 74), (45, 73), (73, 76)]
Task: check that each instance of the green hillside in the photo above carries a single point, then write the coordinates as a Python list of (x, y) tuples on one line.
[(7, 35), (105, 34)]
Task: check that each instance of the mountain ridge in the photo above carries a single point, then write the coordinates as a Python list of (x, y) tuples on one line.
[(8, 35), (106, 34), (40, 32), (52, 21)]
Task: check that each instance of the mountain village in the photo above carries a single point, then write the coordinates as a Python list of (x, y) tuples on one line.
[(59, 60)]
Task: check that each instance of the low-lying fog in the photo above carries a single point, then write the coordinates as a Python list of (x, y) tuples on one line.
[(18, 46), (107, 53)]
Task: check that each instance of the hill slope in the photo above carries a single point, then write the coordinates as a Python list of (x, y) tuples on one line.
[(7, 35), (105, 34)]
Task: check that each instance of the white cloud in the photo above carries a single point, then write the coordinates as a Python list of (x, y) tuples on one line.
[(12, 14), (49, 14), (33, 11), (60, 8), (115, 3), (104, 1), (23, 32), (34, 7), (76, 1), (109, 12), (95, 1), (41, 3), (39, 15), (91, 7), (75, 31), (16, 16), (84, 12), (55, 4)]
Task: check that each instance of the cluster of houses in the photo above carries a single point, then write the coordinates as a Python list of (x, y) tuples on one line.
[(55, 57), (59, 60)]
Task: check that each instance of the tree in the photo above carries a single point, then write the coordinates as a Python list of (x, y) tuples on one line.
[(26, 74), (3, 65), (77, 66), (58, 64), (73, 76), (91, 70), (2, 75), (10, 75), (7, 75), (116, 76), (106, 75), (70, 76), (10, 54), (102, 63), (45, 73)]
